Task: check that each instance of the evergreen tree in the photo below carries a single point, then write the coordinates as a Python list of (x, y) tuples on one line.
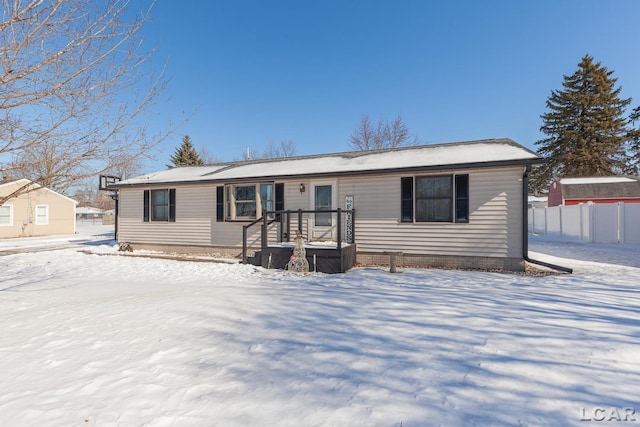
[(185, 155), (585, 127), (634, 142)]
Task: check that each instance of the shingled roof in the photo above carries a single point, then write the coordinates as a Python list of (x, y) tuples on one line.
[(484, 153), (606, 187)]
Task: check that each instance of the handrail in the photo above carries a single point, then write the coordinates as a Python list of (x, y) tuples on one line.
[(275, 217), (244, 234)]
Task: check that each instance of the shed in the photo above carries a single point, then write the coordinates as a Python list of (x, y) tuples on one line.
[(599, 189)]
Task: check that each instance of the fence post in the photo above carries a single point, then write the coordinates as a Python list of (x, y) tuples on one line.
[(592, 223), (620, 222), (244, 244), (339, 228), (264, 237), (300, 222), (560, 218), (581, 223), (533, 220), (546, 218)]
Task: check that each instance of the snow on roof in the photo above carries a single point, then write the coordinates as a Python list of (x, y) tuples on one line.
[(473, 152), (596, 180), (27, 183), (15, 181)]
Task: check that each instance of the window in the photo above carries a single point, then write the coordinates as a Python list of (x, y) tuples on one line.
[(159, 205), (442, 198), (433, 199), (266, 197), (249, 201), (42, 215), (323, 203), (6, 215)]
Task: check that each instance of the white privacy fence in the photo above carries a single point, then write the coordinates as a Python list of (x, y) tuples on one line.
[(592, 222)]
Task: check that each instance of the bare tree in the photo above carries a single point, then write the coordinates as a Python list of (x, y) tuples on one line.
[(88, 195), (76, 83), (286, 148), (383, 134), (207, 156)]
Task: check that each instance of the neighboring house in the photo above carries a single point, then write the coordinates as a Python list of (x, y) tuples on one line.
[(453, 205), (538, 201), (88, 213), (601, 189), (37, 211)]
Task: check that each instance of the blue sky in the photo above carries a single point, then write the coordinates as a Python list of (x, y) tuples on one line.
[(250, 72)]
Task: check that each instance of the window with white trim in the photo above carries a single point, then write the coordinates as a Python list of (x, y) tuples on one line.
[(159, 205), (6, 215), (42, 215), (438, 198), (249, 201)]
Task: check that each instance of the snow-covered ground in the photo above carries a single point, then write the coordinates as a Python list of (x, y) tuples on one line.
[(93, 338)]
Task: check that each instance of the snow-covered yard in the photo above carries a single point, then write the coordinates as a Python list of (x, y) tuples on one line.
[(93, 338)]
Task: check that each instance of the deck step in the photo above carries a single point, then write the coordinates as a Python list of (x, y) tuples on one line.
[(255, 259)]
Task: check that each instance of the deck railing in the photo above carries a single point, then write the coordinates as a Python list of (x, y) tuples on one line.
[(284, 217)]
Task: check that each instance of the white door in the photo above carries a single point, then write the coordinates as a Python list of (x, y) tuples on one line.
[(324, 198)]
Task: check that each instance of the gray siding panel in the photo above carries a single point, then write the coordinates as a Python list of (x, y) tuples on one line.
[(494, 227), (195, 212)]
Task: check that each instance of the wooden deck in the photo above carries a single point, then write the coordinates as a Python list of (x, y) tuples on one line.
[(321, 258)]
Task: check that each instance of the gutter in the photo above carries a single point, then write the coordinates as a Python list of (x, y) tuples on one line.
[(525, 227), (319, 175)]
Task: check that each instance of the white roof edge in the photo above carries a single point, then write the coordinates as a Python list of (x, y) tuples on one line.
[(13, 181), (596, 180), (433, 156), (38, 186)]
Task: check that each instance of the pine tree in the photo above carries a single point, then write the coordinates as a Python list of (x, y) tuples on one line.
[(185, 155), (634, 142), (585, 127)]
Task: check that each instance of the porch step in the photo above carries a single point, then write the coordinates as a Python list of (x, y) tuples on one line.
[(255, 259)]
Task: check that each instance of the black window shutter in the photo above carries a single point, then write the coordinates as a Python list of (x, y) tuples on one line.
[(220, 204), (172, 205), (462, 198), (145, 210), (279, 198), (406, 199)]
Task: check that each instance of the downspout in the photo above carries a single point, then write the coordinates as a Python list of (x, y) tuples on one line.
[(525, 227)]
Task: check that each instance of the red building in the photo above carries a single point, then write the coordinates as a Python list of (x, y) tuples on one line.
[(600, 189)]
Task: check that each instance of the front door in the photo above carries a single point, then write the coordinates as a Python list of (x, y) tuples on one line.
[(323, 198)]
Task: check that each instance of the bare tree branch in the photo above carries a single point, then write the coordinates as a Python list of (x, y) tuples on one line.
[(76, 82), (366, 136)]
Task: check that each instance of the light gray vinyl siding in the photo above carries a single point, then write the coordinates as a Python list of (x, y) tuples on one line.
[(494, 227), (229, 233), (196, 223), (195, 212)]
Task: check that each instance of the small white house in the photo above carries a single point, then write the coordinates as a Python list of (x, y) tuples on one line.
[(459, 205), (88, 213), (32, 210)]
